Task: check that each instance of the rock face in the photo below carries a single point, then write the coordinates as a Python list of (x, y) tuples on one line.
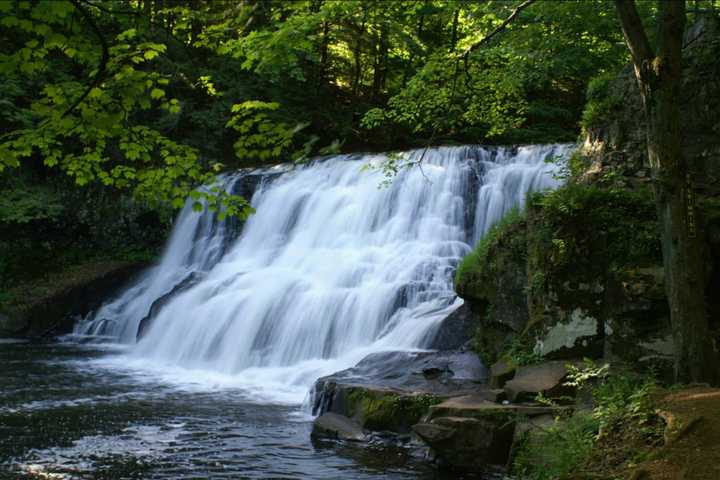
[(455, 331), (390, 391), (619, 140), (500, 372), (55, 314)]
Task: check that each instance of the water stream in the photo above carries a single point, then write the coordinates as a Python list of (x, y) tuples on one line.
[(208, 356)]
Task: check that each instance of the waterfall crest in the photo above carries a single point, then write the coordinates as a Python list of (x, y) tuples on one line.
[(331, 267)]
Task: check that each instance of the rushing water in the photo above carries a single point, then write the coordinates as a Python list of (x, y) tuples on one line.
[(65, 415), (329, 269)]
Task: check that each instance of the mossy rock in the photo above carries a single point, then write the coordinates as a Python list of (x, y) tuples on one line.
[(386, 410)]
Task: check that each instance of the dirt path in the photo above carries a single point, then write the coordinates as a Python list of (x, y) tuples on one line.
[(692, 438)]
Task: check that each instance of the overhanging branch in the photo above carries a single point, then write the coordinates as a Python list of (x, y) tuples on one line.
[(102, 68), (634, 32), (499, 28)]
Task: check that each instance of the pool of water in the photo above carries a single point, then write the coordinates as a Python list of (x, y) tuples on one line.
[(71, 411)]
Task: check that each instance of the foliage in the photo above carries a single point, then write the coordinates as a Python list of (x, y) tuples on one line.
[(478, 262), (24, 204), (558, 450), (623, 409), (602, 103), (579, 222), (94, 132), (520, 351), (260, 138)]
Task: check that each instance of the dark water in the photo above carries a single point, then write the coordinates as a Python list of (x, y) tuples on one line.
[(63, 417)]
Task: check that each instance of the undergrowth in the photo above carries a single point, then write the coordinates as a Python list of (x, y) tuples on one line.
[(621, 427)]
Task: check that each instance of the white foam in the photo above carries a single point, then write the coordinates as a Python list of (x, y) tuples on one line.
[(329, 269)]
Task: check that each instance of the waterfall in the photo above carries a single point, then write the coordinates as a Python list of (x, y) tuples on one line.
[(331, 267)]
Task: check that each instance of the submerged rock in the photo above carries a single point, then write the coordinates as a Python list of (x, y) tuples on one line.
[(332, 425), (185, 284)]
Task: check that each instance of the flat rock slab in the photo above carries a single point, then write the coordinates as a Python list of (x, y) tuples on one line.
[(478, 406), (332, 425), (546, 378)]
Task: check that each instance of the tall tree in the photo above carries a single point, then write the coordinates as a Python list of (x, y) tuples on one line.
[(659, 74)]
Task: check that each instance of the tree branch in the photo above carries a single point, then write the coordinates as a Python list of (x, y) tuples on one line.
[(499, 28), (634, 32), (103, 61), (672, 27)]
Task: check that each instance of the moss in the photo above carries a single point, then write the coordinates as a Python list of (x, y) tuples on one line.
[(25, 296), (581, 234), (387, 410), (603, 103), (502, 245)]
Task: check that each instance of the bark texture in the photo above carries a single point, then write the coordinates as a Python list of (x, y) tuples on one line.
[(659, 75)]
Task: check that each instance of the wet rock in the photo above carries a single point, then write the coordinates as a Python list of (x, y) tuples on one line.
[(477, 405), (455, 331), (332, 425), (391, 391), (11, 326), (546, 378), (185, 284)]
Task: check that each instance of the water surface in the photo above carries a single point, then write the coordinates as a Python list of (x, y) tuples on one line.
[(71, 411)]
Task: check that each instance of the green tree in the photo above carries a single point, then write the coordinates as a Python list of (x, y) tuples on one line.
[(659, 74)]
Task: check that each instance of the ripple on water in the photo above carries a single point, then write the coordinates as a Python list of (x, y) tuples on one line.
[(69, 413)]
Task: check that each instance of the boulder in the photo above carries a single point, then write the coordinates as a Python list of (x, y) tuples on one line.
[(332, 425), (391, 391), (470, 433), (546, 378), (470, 444), (455, 331)]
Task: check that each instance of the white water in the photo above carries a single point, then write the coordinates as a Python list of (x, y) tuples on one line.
[(329, 269)]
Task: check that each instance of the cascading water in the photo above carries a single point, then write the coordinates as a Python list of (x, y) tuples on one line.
[(329, 269)]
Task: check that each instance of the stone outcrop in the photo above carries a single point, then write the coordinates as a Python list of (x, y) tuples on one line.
[(470, 433), (391, 391), (53, 312), (455, 331)]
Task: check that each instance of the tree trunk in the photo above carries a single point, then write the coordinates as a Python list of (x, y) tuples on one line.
[(659, 77), (357, 53), (380, 65)]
